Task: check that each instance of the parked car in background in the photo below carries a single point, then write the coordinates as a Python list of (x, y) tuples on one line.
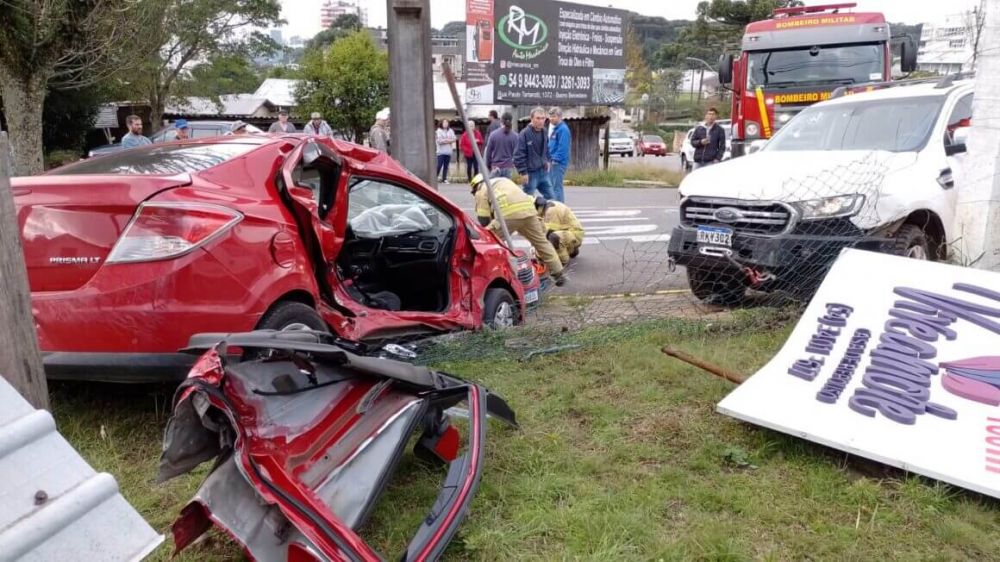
[(651, 144), (199, 130), (621, 143), (130, 254), (872, 170)]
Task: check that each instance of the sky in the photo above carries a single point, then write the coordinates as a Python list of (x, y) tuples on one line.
[(303, 15)]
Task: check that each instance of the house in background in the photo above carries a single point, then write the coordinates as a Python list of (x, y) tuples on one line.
[(946, 46)]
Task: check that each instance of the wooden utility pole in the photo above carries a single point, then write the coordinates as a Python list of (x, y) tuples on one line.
[(411, 86), (20, 359)]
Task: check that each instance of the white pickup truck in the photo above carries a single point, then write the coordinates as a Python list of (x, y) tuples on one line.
[(871, 170)]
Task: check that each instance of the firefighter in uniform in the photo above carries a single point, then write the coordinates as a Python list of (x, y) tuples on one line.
[(562, 228), (518, 210)]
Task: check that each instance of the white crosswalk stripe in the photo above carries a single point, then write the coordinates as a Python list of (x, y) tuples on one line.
[(641, 225)]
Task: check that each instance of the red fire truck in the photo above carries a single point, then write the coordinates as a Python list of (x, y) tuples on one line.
[(798, 57)]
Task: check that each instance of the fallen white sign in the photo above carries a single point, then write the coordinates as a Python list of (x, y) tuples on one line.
[(896, 360)]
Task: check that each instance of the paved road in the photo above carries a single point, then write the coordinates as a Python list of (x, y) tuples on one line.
[(625, 247)]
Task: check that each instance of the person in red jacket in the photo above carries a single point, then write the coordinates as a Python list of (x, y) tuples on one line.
[(465, 145)]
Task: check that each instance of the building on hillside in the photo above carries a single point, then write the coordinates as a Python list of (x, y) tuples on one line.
[(444, 49), (277, 37), (946, 46), (333, 9)]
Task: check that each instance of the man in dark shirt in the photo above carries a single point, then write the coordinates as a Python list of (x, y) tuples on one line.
[(500, 147), (531, 158), (709, 141)]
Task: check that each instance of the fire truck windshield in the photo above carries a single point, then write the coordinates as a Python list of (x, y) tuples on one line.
[(895, 125), (845, 64)]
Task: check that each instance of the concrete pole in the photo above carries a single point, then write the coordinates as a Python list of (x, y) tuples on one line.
[(978, 213), (411, 86), (20, 360)]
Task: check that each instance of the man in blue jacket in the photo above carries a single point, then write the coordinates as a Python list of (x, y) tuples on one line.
[(559, 147), (531, 157)]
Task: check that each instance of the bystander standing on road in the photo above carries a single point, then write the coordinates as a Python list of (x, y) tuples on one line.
[(709, 141), (531, 158), (182, 131), (560, 140), (378, 136), (495, 124), (282, 125), (134, 136), (445, 139), (500, 147), (471, 135), (317, 126)]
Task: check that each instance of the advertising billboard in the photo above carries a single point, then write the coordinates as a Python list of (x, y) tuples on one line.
[(544, 53), (896, 360)]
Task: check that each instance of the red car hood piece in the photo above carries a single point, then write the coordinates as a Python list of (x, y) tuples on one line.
[(306, 439)]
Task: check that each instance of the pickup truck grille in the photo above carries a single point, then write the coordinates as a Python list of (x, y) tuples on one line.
[(743, 216)]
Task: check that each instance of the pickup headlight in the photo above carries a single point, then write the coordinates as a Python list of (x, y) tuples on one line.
[(831, 207)]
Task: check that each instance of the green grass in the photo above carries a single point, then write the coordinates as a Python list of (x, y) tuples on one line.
[(621, 456), (615, 176)]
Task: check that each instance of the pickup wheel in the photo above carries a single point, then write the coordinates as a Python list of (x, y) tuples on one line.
[(500, 310), (717, 285), (685, 165), (910, 241)]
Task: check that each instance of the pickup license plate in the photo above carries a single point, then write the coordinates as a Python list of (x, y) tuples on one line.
[(531, 297), (715, 236)]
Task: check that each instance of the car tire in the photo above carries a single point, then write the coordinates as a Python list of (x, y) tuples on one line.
[(292, 316), (684, 162), (722, 285), (631, 154), (500, 310), (910, 241)]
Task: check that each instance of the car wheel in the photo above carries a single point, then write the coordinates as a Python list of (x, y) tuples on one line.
[(911, 241), (631, 154), (292, 316), (722, 285), (500, 310)]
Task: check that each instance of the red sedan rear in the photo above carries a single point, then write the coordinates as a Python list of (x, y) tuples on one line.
[(651, 144), (130, 254)]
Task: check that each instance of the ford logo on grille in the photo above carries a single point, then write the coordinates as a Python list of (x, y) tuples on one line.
[(727, 214)]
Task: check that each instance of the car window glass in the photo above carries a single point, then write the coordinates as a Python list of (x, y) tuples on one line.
[(159, 159), (204, 132), (307, 176), (379, 209), (961, 116)]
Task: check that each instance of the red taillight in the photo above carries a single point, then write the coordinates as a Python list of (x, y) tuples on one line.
[(162, 231)]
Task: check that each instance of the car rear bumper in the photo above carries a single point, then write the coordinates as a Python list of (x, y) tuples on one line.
[(117, 367)]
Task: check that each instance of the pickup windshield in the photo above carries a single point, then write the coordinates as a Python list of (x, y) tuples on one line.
[(847, 64), (895, 125)]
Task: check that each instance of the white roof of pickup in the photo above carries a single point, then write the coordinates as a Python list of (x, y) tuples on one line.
[(55, 506), (904, 91)]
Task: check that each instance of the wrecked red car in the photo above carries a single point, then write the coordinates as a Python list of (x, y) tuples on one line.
[(306, 436), (130, 254)]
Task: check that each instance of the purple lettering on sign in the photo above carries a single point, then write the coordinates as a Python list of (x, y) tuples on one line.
[(842, 375), (822, 342), (897, 382)]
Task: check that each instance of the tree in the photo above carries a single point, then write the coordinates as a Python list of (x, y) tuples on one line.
[(348, 83), (194, 30), (223, 74), (63, 44), (343, 26), (739, 13), (453, 29), (638, 77)]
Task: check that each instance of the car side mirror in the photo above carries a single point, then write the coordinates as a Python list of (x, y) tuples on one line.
[(908, 55), (958, 142)]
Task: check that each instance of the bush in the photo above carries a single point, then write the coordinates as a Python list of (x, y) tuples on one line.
[(58, 158)]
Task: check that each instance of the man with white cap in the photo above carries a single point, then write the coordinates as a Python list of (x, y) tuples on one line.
[(317, 126), (378, 136)]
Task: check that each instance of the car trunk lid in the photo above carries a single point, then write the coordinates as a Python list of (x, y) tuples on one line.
[(69, 224)]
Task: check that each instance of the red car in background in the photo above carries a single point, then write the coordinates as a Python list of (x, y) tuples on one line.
[(130, 254), (651, 144)]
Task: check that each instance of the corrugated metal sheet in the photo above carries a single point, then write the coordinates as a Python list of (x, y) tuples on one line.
[(241, 104), (107, 116), (53, 505), (193, 106), (238, 105), (279, 91)]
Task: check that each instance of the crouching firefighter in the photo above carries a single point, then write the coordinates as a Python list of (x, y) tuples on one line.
[(562, 228), (518, 210)]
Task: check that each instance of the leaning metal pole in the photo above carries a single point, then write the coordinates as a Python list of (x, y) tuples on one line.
[(450, 77)]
